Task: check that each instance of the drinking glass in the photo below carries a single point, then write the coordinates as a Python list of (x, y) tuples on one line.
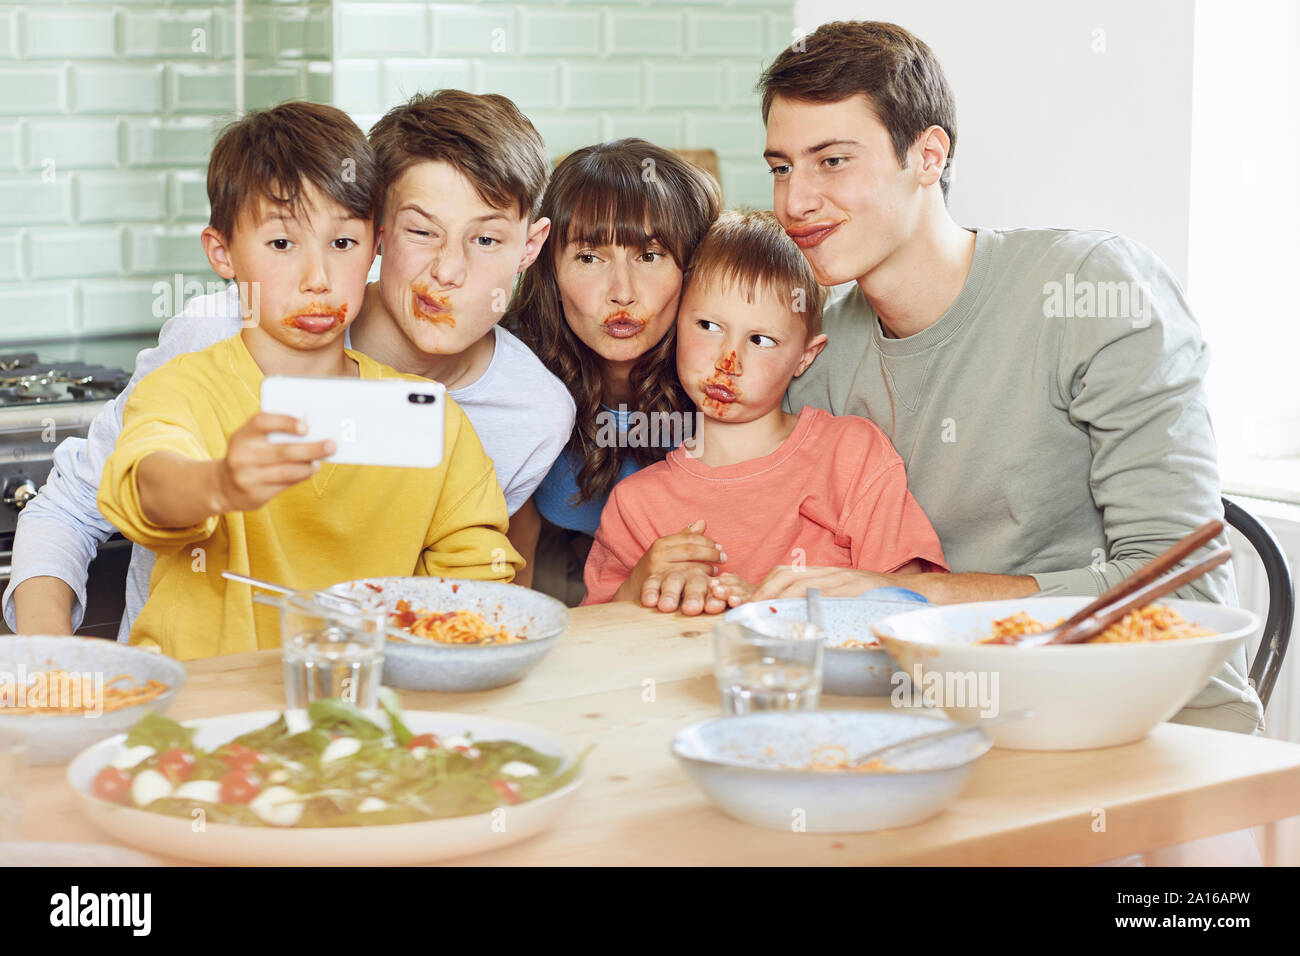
[(13, 759), (776, 668), (332, 646)]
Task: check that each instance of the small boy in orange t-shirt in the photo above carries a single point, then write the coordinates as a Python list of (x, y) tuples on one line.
[(771, 488)]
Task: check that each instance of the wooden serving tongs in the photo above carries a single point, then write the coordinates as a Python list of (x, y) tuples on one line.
[(1153, 580)]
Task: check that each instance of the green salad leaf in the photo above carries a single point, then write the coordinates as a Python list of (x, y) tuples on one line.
[(159, 732), (392, 705), (334, 713)]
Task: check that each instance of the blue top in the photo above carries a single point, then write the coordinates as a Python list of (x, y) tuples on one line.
[(553, 496)]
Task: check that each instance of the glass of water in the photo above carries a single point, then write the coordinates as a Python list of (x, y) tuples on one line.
[(332, 646), (13, 759), (776, 668)]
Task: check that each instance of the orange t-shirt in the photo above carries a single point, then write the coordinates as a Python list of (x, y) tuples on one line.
[(833, 495)]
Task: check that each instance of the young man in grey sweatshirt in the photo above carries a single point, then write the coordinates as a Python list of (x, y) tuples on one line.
[(1045, 387)]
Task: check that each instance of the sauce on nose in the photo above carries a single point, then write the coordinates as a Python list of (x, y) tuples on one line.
[(730, 364)]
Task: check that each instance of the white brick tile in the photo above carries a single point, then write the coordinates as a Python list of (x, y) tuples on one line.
[(117, 89), (404, 78), (746, 183), (356, 86), (10, 256), (665, 131), (117, 306), (731, 135), (7, 34), (189, 196), (458, 31), (565, 132), (683, 85), (75, 253), (171, 33), (320, 80), (34, 89), (780, 32), (10, 144), (560, 33), (644, 34), (529, 85), (158, 142), (121, 197), (742, 81), (166, 249), (204, 89), (28, 200), (267, 87), (82, 143), (37, 311), (375, 29), (595, 85), (728, 33), (69, 33)]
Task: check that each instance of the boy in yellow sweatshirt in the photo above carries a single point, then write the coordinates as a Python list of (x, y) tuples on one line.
[(194, 476)]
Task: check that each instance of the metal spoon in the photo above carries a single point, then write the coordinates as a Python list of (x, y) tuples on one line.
[(925, 740)]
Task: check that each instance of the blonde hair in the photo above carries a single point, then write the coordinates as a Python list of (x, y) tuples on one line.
[(751, 250)]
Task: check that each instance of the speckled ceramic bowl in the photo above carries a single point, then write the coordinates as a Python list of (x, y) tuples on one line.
[(849, 671), (57, 739), (754, 768), (459, 667)]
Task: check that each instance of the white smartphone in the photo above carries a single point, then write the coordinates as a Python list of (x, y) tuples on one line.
[(391, 422)]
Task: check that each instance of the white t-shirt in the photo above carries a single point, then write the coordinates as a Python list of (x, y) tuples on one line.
[(523, 416)]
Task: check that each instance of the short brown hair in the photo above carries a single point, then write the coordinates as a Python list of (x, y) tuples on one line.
[(271, 153), (751, 251), (899, 74), (484, 136)]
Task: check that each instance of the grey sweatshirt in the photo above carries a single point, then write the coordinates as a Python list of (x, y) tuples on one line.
[(1053, 421)]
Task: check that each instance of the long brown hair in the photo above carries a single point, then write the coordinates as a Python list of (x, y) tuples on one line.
[(623, 193)]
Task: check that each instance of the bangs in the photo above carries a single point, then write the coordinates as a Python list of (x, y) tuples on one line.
[(630, 193)]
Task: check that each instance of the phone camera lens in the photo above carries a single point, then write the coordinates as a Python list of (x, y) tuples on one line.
[(419, 398)]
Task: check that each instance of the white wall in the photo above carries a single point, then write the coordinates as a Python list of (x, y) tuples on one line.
[(1068, 114)]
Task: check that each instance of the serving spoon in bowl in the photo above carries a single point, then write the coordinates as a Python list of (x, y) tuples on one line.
[(926, 740)]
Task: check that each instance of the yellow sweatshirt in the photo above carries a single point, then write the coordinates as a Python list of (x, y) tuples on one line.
[(345, 522)]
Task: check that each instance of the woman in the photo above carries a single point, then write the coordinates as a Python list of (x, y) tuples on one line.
[(599, 307)]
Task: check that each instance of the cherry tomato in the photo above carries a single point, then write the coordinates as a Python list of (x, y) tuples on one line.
[(507, 789), (238, 787), (239, 757), (112, 784), (429, 741), (177, 765)]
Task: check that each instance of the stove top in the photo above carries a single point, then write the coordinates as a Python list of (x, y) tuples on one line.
[(42, 403), (26, 380)]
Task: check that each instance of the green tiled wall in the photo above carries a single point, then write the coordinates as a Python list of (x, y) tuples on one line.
[(107, 113), (681, 74)]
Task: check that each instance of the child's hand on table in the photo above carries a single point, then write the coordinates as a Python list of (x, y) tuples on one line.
[(256, 469), (696, 591), (660, 577)]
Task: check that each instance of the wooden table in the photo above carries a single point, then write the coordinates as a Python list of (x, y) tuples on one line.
[(626, 679)]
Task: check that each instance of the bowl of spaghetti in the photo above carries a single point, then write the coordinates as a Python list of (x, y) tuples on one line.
[(801, 769), (454, 635), (1111, 690), (63, 694)]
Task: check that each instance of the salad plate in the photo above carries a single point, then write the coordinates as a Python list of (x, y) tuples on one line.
[(352, 782)]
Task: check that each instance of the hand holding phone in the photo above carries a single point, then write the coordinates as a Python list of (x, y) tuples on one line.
[(389, 422), (256, 469)]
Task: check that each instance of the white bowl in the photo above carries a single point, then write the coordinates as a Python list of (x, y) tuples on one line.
[(55, 739), (466, 667), (387, 845), (1082, 695), (743, 765)]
